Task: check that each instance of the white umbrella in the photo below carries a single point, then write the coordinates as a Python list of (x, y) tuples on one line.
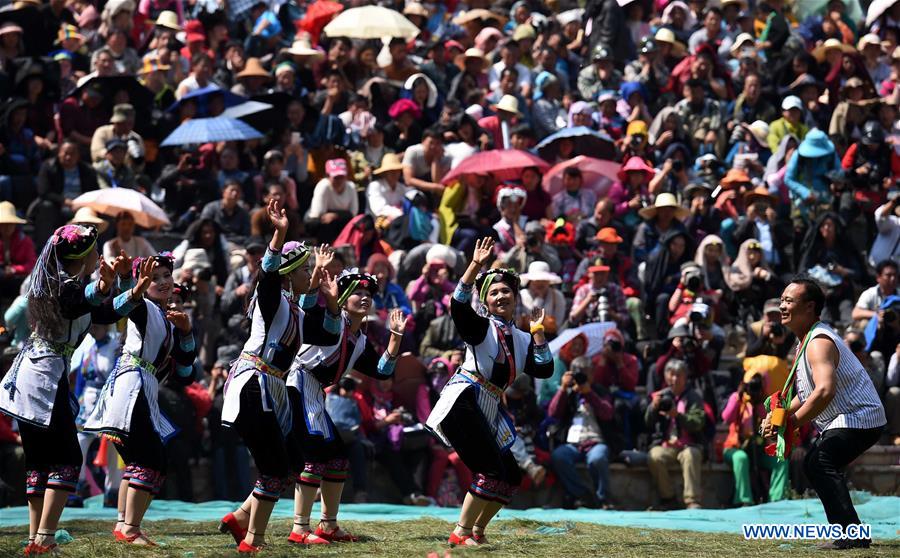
[(245, 108), (593, 331), (877, 9), (371, 22), (112, 201)]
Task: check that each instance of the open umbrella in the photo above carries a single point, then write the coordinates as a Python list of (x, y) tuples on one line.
[(318, 14), (597, 174), (371, 22), (877, 9), (262, 116), (202, 96), (587, 142), (205, 130), (593, 331), (112, 201), (505, 164), (139, 96)]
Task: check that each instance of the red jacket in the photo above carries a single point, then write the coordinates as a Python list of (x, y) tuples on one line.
[(21, 254)]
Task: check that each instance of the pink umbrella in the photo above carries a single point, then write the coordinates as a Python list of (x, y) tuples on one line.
[(505, 164), (598, 174)]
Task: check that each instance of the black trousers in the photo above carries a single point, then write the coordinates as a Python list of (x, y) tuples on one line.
[(824, 466), (274, 453), (57, 444), (143, 446)]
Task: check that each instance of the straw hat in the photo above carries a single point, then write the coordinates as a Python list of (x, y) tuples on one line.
[(302, 47), (739, 42), (509, 103), (169, 20), (760, 131), (10, 27), (665, 35), (868, 39), (664, 200), (390, 162), (253, 68), (540, 271), (87, 216), (8, 214), (476, 54), (819, 51), (761, 194), (416, 9)]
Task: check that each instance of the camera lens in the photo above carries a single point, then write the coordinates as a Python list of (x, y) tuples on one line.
[(615, 345), (580, 378)]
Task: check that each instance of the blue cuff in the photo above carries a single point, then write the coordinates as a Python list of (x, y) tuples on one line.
[(271, 260), (386, 365), (463, 292), (123, 304), (125, 283), (187, 343), (332, 324), (308, 300), (184, 371), (542, 354), (92, 293)]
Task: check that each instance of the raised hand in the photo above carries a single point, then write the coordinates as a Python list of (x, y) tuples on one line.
[(398, 321), (324, 255), (278, 216), (180, 320), (329, 288), (484, 249), (107, 276), (537, 317), (122, 264), (148, 266)]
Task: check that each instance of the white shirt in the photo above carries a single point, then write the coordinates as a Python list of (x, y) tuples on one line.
[(871, 299), (497, 70), (888, 240), (326, 199), (383, 200), (136, 247)]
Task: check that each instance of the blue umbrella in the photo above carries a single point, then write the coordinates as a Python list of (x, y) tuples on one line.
[(201, 97), (587, 142), (205, 130)]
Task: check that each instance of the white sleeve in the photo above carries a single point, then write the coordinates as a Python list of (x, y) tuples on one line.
[(893, 372), (318, 206), (375, 199)]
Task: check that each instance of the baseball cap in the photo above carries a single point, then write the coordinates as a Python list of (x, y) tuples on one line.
[(114, 143), (597, 265), (335, 168), (791, 102), (772, 305)]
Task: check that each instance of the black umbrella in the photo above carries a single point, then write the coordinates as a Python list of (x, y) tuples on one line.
[(29, 19), (139, 96), (44, 68)]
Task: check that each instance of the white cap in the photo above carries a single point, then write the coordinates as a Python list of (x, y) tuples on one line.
[(792, 102)]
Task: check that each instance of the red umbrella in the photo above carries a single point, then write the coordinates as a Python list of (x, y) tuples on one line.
[(317, 17), (597, 174), (505, 164)]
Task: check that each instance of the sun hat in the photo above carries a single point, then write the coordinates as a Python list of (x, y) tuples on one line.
[(508, 103), (169, 20), (666, 35), (831, 44), (390, 162), (815, 144), (253, 68), (8, 214), (285, 66), (734, 177), (441, 253), (87, 216), (524, 31), (122, 113), (608, 235), (597, 265), (401, 106), (760, 194), (416, 9), (868, 39), (302, 47), (739, 41), (759, 130), (792, 102), (664, 200), (540, 271), (335, 168), (635, 164)]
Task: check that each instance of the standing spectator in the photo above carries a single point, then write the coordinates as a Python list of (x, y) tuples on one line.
[(675, 421)]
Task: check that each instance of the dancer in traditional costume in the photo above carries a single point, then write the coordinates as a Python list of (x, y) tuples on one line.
[(62, 303), (315, 368), (128, 409), (256, 401), (469, 416)]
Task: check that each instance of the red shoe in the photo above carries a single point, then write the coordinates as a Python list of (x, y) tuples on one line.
[(231, 526), (461, 540), (34, 549), (119, 535), (139, 535), (245, 548), (308, 537), (480, 539), (335, 535)]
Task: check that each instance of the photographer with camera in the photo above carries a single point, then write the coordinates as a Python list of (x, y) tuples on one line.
[(600, 300), (868, 305), (581, 410), (675, 420), (686, 346), (868, 160), (744, 446), (530, 247), (616, 371), (767, 336)]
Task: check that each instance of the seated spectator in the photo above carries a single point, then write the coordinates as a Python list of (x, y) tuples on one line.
[(134, 246), (112, 171), (205, 234), (665, 216), (201, 75), (385, 194), (510, 201), (600, 300), (675, 420), (390, 295), (501, 124), (334, 202), (869, 302), (17, 254), (539, 291), (581, 413), (530, 247), (790, 123), (744, 452), (120, 126), (229, 212), (575, 201), (274, 171), (547, 113), (760, 222), (767, 336), (230, 171), (807, 171), (60, 180), (260, 227), (662, 274), (616, 371), (751, 280), (188, 185), (425, 164)]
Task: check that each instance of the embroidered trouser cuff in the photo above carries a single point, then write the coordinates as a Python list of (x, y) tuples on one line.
[(58, 477), (491, 489), (144, 478), (334, 470), (268, 488)]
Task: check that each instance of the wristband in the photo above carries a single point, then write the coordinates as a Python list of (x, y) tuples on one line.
[(537, 328), (400, 333)]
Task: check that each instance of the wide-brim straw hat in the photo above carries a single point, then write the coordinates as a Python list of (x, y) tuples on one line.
[(540, 271), (664, 200), (302, 47), (390, 162), (760, 193), (169, 20), (819, 51), (508, 103), (87, 216), (8, 214), (253, 68)]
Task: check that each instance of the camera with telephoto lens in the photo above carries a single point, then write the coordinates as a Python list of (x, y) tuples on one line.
[(602, 305), (636, 141), (615, 345), (777, 330), (693, 279), (666, 400)]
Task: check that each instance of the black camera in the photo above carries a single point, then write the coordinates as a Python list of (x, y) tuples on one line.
[(580, 378), (693, 279), (615, 345), (636, 141), (777, 330), (890, 315), (666, 400), (689, 344)]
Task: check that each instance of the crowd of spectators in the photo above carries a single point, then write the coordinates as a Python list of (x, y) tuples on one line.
[(746, 141)]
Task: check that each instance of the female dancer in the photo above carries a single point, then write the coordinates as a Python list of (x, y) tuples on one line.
[(35, 391), (315, 368), (256, 401), (469, 415), (128, 409)]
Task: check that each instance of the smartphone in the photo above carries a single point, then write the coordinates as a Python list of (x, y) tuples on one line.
[(295, 138)]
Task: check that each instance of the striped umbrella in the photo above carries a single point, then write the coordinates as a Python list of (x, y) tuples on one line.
[(206, 130)]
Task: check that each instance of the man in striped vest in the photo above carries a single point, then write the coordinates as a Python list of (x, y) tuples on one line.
[(834, 391)]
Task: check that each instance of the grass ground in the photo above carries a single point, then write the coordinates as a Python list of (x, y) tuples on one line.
[(180, 539)]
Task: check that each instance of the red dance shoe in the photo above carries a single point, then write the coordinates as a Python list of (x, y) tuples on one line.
[(308, 537), (139, 535), (479, 539), (245, 548), (335, 535), (461, 540), (230, 525), (119, 536), (34, 549)]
